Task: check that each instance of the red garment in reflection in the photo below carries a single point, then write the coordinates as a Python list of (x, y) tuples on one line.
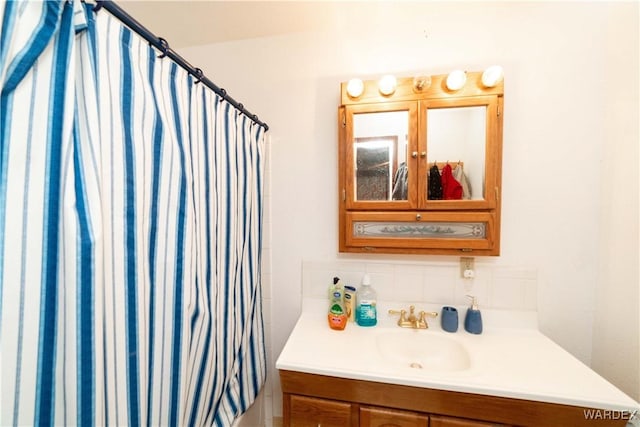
[(451, 189)]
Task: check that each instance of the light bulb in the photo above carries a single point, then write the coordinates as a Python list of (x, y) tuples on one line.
[(355, 87), (492, 76), (387, 85), (456, 80)]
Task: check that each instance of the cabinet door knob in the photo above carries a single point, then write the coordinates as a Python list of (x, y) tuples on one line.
[(414, 154), (423, 154), (418, 217)]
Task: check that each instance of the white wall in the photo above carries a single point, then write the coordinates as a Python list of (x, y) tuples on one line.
[(617, 287), (564, 132)]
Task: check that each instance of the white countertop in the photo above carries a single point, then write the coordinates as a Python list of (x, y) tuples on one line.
[(511, 358)]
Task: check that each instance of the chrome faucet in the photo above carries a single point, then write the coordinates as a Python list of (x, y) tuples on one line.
[(412, 321)]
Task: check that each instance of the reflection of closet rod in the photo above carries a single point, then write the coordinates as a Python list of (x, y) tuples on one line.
[(441, 165), (162, 45)]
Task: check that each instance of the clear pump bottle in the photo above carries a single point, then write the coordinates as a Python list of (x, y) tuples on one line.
[(366, 300)]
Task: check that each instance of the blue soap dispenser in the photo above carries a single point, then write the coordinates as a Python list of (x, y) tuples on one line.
[(473, 318)]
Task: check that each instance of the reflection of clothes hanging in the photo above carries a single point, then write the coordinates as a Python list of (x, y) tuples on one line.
[(451, 189), (434, 191), (461, 177), (400, 183)]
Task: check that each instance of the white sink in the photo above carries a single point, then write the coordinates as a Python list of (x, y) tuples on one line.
[(422, 350)]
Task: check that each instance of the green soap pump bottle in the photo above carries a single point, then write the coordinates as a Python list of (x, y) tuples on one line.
[(337, 316), (366, 314)]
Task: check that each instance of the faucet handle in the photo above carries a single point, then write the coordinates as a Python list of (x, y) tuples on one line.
[(423, 317), (424, 314), (402, 314)]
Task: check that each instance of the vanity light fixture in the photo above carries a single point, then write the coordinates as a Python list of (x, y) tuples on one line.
[(421, 82), (492, 76), (355, 87), (387, 85), (456, 80)]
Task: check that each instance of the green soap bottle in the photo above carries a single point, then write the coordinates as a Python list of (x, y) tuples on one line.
[(337, 316)]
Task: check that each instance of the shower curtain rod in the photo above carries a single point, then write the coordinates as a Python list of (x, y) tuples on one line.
[(163, 46)]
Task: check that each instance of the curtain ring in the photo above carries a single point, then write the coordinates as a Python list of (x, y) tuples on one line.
[(164, 48), (98, 6), (199, 74)]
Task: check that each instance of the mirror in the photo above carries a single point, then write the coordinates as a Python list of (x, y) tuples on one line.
[(380, 155), (457, 136)]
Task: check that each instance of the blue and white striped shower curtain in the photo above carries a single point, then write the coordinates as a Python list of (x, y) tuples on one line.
[(130, 230)]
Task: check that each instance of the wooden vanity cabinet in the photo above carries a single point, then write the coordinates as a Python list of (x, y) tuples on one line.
[(318, 400)]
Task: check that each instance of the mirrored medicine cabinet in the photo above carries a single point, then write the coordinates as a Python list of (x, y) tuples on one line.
[(420, 168)]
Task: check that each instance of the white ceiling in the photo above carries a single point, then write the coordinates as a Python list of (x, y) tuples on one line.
[(192, 23)]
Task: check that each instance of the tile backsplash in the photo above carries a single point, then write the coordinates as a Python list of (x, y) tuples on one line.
[(497, 287)]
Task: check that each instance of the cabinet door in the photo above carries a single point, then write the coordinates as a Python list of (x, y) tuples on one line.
[(379, 417), (440, 421), (313, 412), (465, 133), (380, 145)]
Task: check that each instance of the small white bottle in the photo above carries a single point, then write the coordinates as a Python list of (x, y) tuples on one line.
[(366, 314)]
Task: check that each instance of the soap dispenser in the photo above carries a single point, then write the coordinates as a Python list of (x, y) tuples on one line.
[(366, 314), (473, 318), (337, 315)]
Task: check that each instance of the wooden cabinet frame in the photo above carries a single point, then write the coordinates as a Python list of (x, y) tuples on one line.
[(417, 209)]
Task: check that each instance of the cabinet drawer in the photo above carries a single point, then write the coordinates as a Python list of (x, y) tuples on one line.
[(379, 417), (438, 421), (314, 412)]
